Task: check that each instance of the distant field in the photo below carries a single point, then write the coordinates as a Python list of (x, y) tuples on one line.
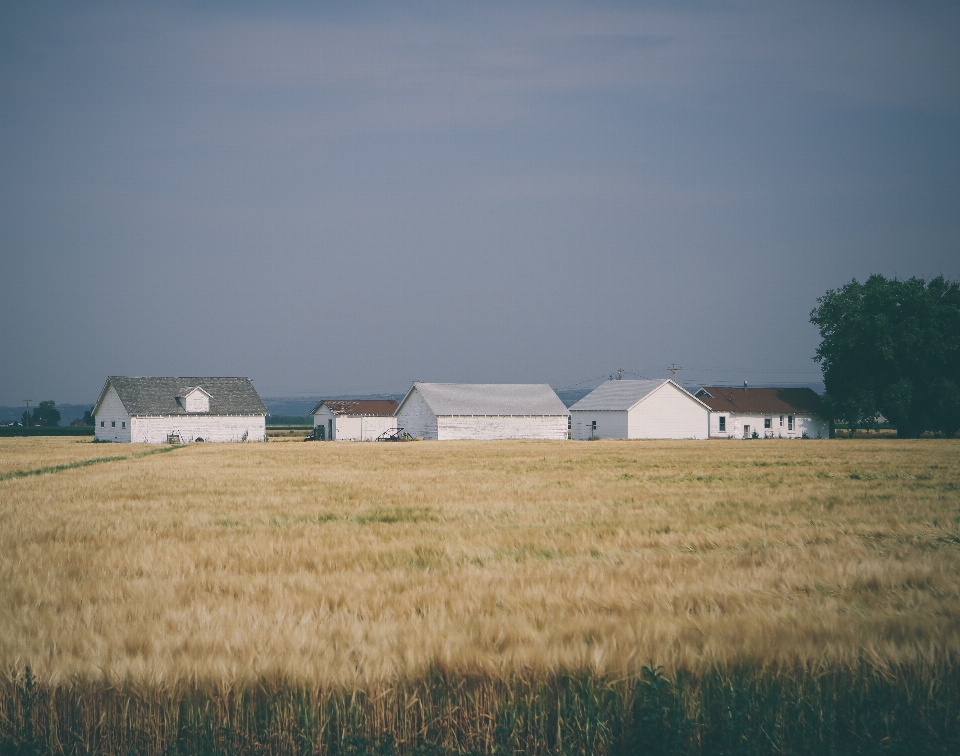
[(371, 567)]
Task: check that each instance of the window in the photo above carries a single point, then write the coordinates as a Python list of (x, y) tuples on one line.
[(113, 423), (723, 424), (781, 421), (123, 424), (101, 423), (789, 422), (767, 422)]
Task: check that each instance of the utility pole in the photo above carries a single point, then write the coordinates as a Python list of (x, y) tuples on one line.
[(673, 368), (27, 415)]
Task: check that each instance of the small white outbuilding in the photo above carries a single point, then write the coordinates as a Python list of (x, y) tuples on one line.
[(354, 419), (159, 410), (446, 411), (640, 409)]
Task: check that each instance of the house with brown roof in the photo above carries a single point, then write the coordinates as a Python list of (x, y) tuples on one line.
[(354, 419), (767, 412)]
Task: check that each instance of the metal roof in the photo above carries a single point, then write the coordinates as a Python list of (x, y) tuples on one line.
[(150, 397), (623, 395), (767, 400), (378, 407), (489, 398)]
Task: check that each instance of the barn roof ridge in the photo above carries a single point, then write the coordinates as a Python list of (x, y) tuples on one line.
[(150, 396), (624, 395), (478, 399)]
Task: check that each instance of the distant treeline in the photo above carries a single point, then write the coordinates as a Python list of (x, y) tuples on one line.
[(290, 420), (49, 430)]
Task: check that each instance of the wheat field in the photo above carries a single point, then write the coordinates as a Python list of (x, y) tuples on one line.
[(357, 564)]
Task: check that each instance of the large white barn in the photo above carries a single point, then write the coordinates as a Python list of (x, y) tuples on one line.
[(354, 419), (767, 412), (639, 409), (446, 411), (182, 410)]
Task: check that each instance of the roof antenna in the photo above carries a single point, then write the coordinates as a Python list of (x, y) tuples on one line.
[(675, 370)]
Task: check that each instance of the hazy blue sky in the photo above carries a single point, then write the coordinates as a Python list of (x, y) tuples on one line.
[(339, 198)]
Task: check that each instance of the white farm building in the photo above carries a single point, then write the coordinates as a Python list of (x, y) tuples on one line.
[(182, 410), (446, 411), (639, 409), (354, 419), (764, 412)]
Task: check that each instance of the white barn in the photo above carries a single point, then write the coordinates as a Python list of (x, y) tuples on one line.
[(639, 409), (446, 411), (354, 419), (767, 412), (183, 410)]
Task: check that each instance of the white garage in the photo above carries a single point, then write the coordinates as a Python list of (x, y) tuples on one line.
[(640, 409), (446, 411), (354, 419)]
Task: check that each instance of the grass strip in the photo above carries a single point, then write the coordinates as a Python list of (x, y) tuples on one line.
[(82, 463)]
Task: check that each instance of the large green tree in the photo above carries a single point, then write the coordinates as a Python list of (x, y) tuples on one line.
[(892, 347), (46, 413)]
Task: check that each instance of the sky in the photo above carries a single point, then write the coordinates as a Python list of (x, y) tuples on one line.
[(341, 198)]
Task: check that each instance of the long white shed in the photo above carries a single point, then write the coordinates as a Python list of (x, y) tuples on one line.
[(640, 409), (446, 411), (156, 410)]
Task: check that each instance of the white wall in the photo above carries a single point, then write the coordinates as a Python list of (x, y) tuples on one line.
[(216, 428), (361, 427), (416, 417), (197, 401), (113, 418), (322, 418), (669, 412), (489, 427), (610, 424), (814, 427)]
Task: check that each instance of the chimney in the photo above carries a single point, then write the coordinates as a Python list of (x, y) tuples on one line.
[(744, 385)]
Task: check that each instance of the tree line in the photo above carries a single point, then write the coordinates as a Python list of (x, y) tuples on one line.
[(891, 348)]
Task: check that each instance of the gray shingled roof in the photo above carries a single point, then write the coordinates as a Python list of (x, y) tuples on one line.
[(621, 395), (158, 396), (490, 398)]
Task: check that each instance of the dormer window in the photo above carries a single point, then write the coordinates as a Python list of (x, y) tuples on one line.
[(195, 400)]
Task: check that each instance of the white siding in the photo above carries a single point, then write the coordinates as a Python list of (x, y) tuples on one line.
[(217, 428), (322, 418), (416, 417), (813, 427), (361, 427), (610, 424), (113, 418), (669, 412), (489, 427), (197, 401)]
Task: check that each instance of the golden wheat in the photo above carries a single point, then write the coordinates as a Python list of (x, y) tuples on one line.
[(362, 564)]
